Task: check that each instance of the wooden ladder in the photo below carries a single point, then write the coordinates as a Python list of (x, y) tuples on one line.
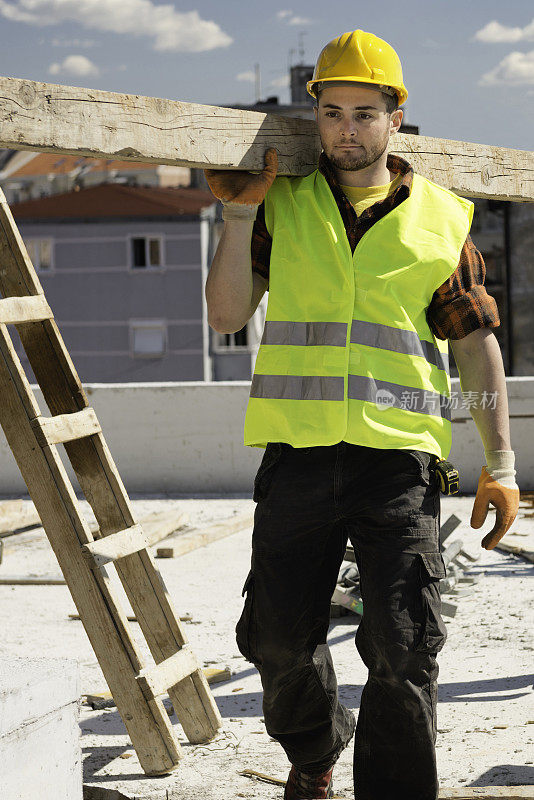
[(136, 688)]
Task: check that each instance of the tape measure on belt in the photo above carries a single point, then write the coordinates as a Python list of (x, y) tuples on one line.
[(449, 479)]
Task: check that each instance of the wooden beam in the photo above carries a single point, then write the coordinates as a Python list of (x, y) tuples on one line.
[(182, 543), (50, 117), (66, 427), (157, 680), (116, 545), (32, 308)]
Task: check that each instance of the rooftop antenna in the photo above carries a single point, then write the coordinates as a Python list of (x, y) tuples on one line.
[(302, 34), (257, 81), (290, 55)]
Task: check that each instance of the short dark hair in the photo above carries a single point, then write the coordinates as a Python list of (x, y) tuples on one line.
[(392, 102)]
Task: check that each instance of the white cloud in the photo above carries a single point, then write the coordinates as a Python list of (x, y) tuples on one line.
[(246, 76), (299, 21), (495, 32), (72, 42), (431, 44), (516, 69), (280, 83), (170, 29), (80, 66), (289, 18)]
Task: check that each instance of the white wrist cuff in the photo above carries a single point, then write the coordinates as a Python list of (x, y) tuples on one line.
[(500, 465), (239, 211)]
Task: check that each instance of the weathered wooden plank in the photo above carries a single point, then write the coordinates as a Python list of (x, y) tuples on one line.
[(32, 580), (157, 680), (160, 524), (33, 308), (66, 119), (183, 543), (18, 520), (66, 427), (118, 545)]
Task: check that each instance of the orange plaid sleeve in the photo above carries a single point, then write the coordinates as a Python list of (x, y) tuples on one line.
[(462, 304)]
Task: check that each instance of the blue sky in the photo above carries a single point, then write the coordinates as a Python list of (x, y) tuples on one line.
[(468, 64)]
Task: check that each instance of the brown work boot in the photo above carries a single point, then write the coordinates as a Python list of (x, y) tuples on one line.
[(300, 786)]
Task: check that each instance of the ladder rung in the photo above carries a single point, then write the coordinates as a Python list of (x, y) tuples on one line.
[(28, 308), (66, 427), (157, 680), (117, 545)]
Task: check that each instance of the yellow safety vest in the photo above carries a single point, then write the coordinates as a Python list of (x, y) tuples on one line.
[(347, 352)]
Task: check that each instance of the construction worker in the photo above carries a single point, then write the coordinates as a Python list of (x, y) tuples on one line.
[(371, 273)]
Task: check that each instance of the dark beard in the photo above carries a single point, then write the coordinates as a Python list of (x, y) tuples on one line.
[(353, 162)]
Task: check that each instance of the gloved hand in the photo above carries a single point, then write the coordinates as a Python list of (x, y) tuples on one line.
[(243, 188), (504, 496)]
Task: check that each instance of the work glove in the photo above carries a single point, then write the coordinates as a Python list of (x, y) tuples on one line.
[(497, 486), (242, 192)]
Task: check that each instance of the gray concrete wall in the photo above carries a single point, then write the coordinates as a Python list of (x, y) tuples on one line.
[(188, 437), (39, 732)]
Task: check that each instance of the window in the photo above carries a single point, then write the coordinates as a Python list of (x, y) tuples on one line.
[(146, 252), (248, 338), (40, 253), (148, 338), (234, 340)]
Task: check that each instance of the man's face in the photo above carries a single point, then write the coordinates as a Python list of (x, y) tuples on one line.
[(354, 125)]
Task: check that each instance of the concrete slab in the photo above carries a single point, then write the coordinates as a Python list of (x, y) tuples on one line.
[(39, 733), (486, 697)]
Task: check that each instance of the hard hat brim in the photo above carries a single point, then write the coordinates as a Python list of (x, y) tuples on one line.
[(402, 93)]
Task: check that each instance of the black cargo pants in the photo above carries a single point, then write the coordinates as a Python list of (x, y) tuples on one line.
[(387, 502)]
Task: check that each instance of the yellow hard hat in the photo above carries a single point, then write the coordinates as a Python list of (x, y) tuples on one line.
[(361, 57)]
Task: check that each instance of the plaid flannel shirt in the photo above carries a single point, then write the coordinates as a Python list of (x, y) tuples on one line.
[(458, 307)]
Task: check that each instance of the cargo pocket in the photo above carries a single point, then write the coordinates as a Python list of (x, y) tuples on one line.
[(433, 632), (423, 463), (266, 471), (246, 628)]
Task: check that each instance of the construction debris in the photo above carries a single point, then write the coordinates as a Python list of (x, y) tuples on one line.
[(32, 580), (186, 542), (16, 517), (347, 598)]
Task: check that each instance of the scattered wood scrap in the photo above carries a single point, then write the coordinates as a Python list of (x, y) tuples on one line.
[(517, 550), (32, 580), (15, 517), (520, 543), (161, 524), (133, 618), (186, 542)]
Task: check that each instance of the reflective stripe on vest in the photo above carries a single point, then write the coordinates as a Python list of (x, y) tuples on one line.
[(297, 387), (305, 333), (385, 394), (371, 334), (324, 387)]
